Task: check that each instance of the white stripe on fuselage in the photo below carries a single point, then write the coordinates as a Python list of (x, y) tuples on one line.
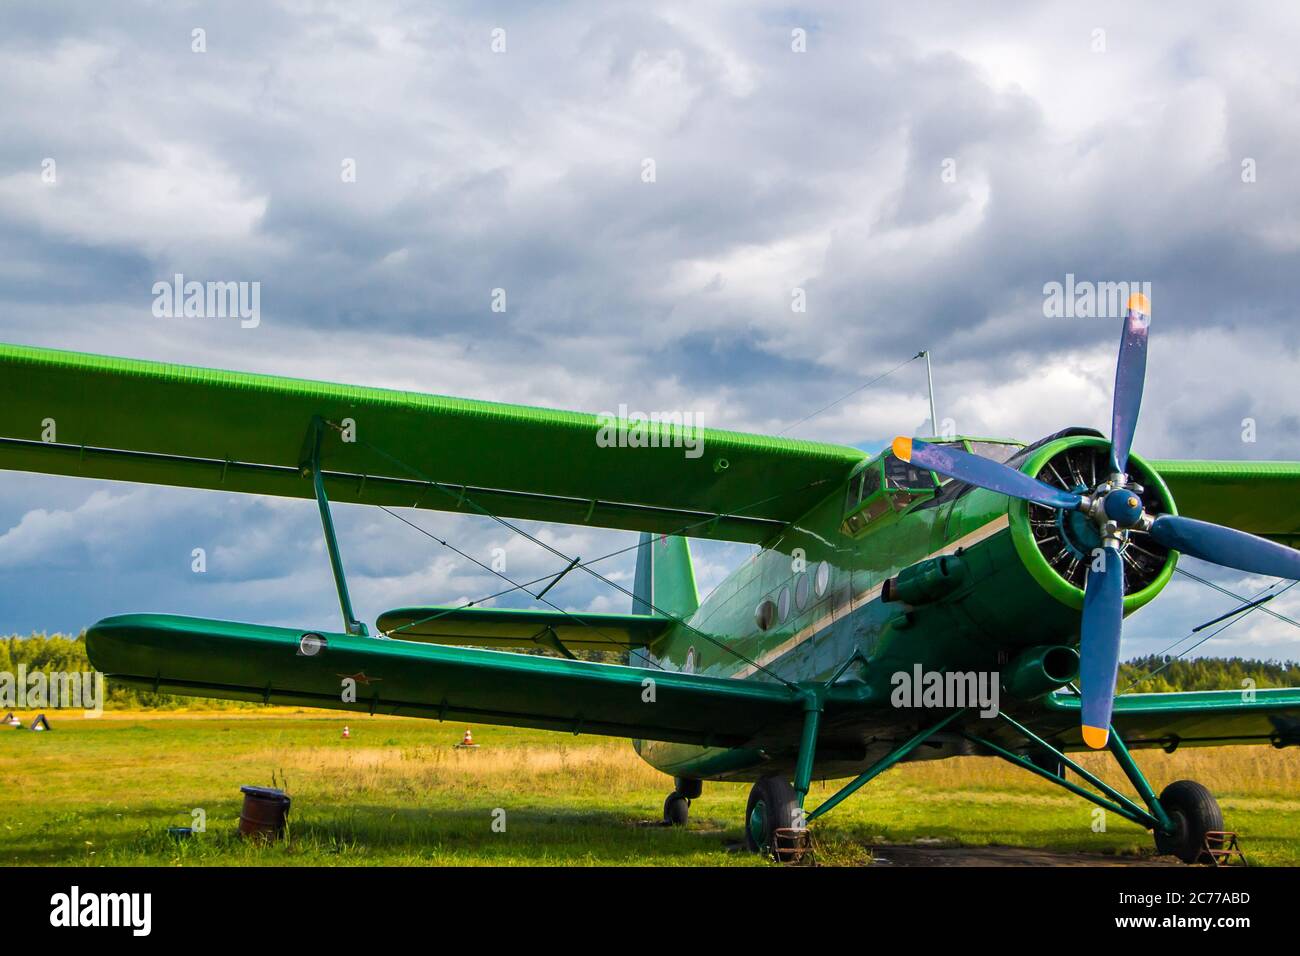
[(866, 597)]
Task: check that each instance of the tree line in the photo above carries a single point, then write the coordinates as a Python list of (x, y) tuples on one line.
[(1152, 674)]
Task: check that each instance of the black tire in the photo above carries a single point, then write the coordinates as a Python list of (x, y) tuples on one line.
[(689, 788), (777, 808), (1194, 812), (676, 809)]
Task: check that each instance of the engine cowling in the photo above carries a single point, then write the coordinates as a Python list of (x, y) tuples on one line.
[(1057, 546)]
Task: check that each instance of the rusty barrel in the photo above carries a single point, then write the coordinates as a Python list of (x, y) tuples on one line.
[(264, 812)]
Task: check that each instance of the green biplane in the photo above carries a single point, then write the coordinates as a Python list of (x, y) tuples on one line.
[(952, 564)]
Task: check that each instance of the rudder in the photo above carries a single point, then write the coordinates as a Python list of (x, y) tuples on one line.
[(664, 582)]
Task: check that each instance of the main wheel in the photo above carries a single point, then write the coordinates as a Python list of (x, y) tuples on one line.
[(1194, 812), (676, 809), (772, 806)]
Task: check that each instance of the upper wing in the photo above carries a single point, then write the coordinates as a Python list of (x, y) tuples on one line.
[(1194, 718), (508, 627), (182, 655), (1262, 497), (165, 424)]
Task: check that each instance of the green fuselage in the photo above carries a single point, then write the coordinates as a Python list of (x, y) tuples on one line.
[(1008, 600)]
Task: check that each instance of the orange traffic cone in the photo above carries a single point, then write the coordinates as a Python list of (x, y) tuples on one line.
[(467, 742), (346, 733)]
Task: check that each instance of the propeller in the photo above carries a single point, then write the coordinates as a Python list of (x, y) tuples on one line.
[(1103, 618), (1226, 546), (1116, 509), (1130, 377)]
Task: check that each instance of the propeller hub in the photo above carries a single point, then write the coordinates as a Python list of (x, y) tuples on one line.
[(1123, 507)]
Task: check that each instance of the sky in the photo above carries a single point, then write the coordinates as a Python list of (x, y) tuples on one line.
[(654, 187)]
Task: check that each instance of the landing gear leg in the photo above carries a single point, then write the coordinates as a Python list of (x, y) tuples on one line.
[(774, 804), (1185, 811), (689, 787), (1179, 818)]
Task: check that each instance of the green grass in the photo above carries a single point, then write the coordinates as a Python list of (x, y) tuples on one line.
[(103, 792)]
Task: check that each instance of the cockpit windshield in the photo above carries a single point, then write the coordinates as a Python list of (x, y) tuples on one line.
[(999, 451)]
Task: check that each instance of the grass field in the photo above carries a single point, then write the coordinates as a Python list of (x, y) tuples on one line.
[(103, 792)]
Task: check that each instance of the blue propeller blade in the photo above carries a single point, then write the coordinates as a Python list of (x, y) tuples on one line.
[(982, 472), (1103, 619), (1226, 546), (1130, 376)]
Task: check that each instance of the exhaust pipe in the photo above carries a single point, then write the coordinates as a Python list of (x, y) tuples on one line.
[(1040, 670)]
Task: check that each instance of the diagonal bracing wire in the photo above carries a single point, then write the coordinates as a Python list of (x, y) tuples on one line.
[(1244, 611), (851, 393), (459, 494), (515, 586), (604, 557), (584, 565), (1233, 594)]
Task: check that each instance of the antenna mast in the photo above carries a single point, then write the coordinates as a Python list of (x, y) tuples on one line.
[(929, 377)]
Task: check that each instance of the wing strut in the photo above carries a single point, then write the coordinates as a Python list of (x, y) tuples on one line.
[(309, 463)]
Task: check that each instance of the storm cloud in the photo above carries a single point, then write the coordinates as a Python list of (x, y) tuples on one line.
[(915, 174)]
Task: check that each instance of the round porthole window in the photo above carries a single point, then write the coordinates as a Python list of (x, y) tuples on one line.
[(765, 614), (311, 644), (823, 578), (802, 587), (783, 605)]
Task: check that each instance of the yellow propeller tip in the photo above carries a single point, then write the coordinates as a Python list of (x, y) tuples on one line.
[(1095, 737), (1138, 302), (903, 448)]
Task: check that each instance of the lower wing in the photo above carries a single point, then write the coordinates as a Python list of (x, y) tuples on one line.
[(280, 665), (1195, 718)]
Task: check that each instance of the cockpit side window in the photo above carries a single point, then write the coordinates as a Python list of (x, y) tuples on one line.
[(865, 499), (902, 474), (905, 483), (871, 481), (854, 493)]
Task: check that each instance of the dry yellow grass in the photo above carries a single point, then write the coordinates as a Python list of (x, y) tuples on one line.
[(592, 766), (1228, 771)]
